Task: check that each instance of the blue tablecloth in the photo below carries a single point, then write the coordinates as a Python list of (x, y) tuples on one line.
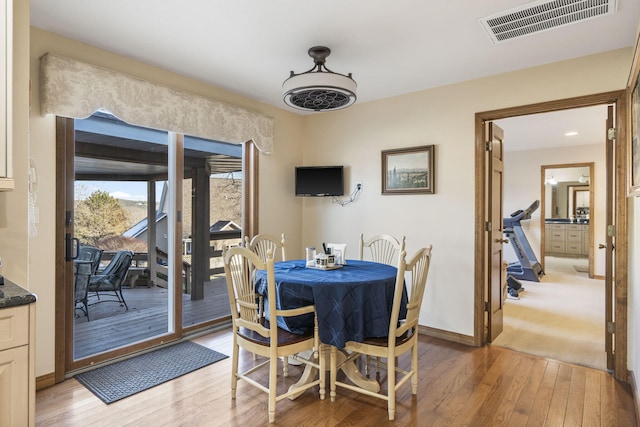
[(352, 303)]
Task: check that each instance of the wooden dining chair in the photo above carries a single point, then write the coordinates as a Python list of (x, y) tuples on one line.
[(259, 335), (402, 337), (261, 244), (383, 248)]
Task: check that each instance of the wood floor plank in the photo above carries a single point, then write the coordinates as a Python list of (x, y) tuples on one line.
[(575, 398), (559, 397), (458, 385), (592, 412), (540, 408), (510, 399)]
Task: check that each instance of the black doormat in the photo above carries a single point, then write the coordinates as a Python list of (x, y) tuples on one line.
[(122, 379)]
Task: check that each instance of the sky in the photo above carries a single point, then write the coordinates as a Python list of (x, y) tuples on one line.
[(127, 190)]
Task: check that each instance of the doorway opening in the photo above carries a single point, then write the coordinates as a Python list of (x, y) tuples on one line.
[(484, 238), (173, 202)]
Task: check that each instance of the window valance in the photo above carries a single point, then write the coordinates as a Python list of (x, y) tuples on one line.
[(74, 89)]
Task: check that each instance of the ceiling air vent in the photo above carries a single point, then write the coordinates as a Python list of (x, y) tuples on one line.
[(543, 15)]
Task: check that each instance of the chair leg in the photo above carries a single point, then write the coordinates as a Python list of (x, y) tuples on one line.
[(234, 368), (323, 371), (285, 366), (332, 375), (273, 383), (121, 298), (391, 387), (414, 367)]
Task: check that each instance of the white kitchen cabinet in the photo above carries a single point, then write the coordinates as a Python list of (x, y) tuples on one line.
[(17, 379)]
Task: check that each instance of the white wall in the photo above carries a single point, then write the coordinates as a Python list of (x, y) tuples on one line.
[(522, 176), (445, 117), (14, 243)]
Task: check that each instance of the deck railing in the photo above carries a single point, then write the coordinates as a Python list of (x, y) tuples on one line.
[(141, 273)]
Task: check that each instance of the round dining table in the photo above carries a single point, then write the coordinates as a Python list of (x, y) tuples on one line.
[(353, 301)]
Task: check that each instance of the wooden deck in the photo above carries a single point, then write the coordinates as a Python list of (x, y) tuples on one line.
[(112, 326)]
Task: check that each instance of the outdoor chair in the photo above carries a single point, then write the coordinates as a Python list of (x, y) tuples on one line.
[(111, 278), (90, 253), (262, 336), (81, 277), (402, 336)]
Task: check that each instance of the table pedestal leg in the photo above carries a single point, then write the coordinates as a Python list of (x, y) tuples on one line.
[(349, 369)]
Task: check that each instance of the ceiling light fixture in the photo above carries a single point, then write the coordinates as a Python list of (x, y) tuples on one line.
[(551, 181), (583, 179), (571, 133), (319, 89)]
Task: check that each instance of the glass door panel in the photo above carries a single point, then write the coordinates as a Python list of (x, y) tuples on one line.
[(121, 205)]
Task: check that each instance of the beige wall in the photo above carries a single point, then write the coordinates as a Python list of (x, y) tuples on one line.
[(522, 171), (445, 117), (354, 138), (279, 211), (13, 205)]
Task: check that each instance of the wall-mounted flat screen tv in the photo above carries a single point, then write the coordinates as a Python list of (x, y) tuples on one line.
[(319, 181)]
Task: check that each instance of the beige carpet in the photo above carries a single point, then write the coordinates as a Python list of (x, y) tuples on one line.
[(561, 317)]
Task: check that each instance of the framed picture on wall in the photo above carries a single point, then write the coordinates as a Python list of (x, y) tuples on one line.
[(408, 170), (634, 149)]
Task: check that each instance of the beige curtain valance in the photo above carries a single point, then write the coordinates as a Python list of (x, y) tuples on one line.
[(74, 89)]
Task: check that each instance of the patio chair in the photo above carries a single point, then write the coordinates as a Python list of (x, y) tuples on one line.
[(259, 335), (90, 253), (111, 279), (402, 336), (81, 276)]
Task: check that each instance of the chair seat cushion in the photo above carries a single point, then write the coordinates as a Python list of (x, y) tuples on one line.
[(284, 337), (383, 341)]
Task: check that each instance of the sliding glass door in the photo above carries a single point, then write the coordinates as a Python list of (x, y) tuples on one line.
[(171, 202)]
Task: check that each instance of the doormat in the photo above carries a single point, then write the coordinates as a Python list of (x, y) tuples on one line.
[(122, 379)]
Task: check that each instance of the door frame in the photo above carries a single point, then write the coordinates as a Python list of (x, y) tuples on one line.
[(619, 99), (543, 205), (65, 138)]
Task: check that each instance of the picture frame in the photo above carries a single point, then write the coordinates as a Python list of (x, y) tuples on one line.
[(409, 170), (634, 147)]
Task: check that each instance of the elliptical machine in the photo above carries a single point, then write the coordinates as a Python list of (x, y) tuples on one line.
[(527, 267)]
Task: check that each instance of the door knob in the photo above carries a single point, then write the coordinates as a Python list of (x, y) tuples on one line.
[(601, 246), (502, 240)]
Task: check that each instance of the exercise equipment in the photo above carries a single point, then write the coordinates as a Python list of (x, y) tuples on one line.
[(527, 267)]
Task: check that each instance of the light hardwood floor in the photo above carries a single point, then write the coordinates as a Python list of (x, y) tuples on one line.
[(458, 386)]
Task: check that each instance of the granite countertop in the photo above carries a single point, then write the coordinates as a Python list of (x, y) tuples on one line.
[(12, 295), (565, 221)]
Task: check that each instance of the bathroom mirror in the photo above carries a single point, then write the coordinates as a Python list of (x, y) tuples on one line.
[(567, 192)]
